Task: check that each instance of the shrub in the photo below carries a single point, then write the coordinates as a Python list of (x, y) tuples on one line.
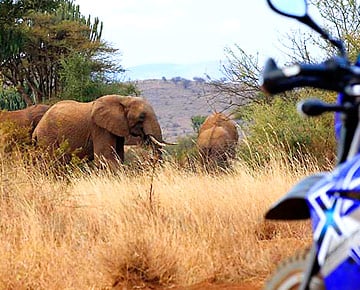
[(13, 138), (277, 129), (185, 152), (196, 122), (11, 100), (16, 144), (79, 83)]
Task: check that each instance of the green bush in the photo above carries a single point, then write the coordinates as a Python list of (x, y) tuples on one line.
[(11, 100), (13, 138), (81, 84), (184, 153), (196, 122), (101, 89), (276, 130)]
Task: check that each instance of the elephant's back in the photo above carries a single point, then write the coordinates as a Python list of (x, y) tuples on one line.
[(217, 144), (17, 117), (65, 118), (29, 116), (231, 127), (35, 113), (69, 110), (214, 137)]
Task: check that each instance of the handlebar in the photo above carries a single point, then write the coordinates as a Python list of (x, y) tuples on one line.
[(334, 74)]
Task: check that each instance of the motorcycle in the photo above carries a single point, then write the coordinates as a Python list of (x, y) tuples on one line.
[(331, 200)]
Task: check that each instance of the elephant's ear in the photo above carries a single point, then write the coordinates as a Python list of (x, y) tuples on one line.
[(109, 113)]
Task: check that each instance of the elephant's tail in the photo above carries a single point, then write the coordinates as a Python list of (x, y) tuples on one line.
[(34, 140)]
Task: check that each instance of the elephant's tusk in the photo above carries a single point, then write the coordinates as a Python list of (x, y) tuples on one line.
[(168, 143), (157, 142)]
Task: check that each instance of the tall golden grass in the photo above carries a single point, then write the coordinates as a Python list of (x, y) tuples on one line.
[(167, 226)]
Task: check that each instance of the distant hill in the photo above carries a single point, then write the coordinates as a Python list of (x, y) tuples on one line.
[(176, 101), (168, 71)]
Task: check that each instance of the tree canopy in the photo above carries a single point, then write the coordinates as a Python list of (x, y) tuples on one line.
[(242, 69), (38, 37), (271, 123)]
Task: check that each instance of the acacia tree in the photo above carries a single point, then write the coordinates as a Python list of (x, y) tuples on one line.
[(242, 70), (275, 122), (14, 38), (342, 19), (240, 82), (41, 34)]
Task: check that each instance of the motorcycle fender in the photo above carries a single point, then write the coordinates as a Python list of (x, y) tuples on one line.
[(293, 205)]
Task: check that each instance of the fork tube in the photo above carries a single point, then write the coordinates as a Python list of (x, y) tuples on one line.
[(312, 269), (355, 144), (349, 121)]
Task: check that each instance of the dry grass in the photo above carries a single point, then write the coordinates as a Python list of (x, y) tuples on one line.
[(98, 229)]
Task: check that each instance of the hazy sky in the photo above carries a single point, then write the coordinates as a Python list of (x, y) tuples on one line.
[(187, 31)]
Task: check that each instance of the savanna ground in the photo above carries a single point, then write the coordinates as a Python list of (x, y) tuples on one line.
[(151, 228)]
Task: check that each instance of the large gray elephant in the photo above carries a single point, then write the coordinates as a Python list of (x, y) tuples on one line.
[(28, 117), (217, 140), (98, 129)]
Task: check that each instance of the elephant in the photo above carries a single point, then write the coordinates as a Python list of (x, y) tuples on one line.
[(28, 117), (217, 140), (97, 130)]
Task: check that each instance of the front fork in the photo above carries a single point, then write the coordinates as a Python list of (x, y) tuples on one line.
[(312, 270)]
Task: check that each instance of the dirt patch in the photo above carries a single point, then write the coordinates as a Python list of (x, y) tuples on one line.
[(226, 286), (199, 286)]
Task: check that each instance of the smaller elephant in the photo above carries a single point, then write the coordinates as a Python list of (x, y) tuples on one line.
[(99, 129), (217, 140), (28, 117)]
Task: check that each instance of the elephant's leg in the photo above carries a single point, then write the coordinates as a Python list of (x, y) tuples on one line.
[(106, 147), (120, 142)]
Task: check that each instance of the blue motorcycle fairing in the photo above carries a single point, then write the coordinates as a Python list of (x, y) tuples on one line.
[(337, 236), (345, 277), (335, 218), (341, 269), (346, 177), (293, 205)]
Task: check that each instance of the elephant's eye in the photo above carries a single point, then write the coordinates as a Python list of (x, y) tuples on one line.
[(142, 117)]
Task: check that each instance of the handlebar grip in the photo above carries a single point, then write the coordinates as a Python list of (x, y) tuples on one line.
[(329, 75), (274, 79), (312, 107)]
